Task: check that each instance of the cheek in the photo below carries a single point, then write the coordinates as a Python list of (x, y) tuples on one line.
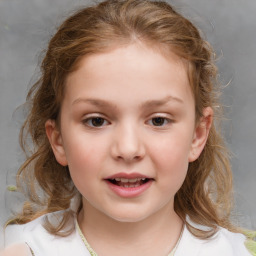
[(172, 149), (81, 148), (84, 158), (170, 157), (83, 165), (173, 164)]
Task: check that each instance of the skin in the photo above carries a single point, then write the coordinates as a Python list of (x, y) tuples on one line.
[(147, 126), (17, 249)]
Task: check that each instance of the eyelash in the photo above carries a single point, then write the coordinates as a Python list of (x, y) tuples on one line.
[(88, 121)]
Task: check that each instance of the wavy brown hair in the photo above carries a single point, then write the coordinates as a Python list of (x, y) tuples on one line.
[(206, 194)]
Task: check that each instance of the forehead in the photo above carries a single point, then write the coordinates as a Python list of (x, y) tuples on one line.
[(152, 54), (132, 69)]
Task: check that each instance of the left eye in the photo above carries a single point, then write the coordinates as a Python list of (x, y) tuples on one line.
[(95, 121), (159, 121)]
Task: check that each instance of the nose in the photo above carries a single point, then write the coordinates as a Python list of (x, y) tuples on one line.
[(128, 144)]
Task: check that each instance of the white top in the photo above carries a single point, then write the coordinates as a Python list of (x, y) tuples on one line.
[(224, 243)]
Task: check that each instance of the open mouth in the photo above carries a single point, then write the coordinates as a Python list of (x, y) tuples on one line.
[(129, 183)]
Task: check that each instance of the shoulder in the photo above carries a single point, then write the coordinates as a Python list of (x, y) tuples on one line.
[(233, 242), (41, 241), (223, 243), (26, 232), (16, 249)]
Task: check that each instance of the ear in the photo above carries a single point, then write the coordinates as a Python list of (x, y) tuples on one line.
[(55, 139), (201, 134)]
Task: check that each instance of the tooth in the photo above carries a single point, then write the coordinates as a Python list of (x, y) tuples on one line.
[(133, 180), (136, 185), (143, 178), (126, 186), (124, 180), (117, 179)]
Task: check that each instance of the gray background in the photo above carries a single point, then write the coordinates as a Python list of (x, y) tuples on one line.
[(230, 25)]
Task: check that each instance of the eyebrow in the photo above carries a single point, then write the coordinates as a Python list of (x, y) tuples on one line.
[(95, 102), (161, 102), (148, 103)]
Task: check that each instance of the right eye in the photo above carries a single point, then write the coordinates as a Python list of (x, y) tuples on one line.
[(95, 122)]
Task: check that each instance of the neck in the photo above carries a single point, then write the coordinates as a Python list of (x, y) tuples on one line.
[(154, 235)]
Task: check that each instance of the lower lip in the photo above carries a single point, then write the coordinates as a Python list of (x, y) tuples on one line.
[(129, 192)]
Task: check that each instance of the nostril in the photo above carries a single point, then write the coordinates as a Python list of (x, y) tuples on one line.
[(129, 157)]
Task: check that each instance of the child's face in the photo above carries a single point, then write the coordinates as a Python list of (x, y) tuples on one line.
[(128, 114)]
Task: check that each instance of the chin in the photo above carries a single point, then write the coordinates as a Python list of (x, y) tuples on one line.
[(128, 219), (129, 216)]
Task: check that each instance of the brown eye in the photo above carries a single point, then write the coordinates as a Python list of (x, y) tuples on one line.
[(158, 121), (98, 121), (95, 122)]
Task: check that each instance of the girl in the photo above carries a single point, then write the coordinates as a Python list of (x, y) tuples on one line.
[(127, 154)]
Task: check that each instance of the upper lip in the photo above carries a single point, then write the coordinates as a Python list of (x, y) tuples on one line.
[(133, 175)]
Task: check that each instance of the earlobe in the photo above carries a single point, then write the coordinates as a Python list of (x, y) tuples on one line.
[(201, 134), (55, 139)]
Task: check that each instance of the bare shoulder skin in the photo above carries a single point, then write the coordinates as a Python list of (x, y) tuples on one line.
[(16, 249)]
